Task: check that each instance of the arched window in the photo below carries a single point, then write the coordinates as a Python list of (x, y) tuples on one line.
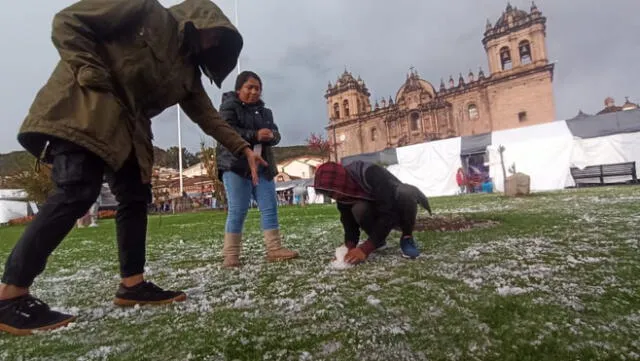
[(473, 112), (415, 122), (525, 52), (374, 134), (505, 58), (345, 105), (336, 110)]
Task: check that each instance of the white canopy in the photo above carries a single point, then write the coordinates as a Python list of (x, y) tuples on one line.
[(430, 166)]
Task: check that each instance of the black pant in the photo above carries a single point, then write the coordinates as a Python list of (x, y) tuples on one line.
[(78, 175), (405, 208)]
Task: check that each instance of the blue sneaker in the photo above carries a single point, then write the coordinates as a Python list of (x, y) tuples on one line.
[(408, 247)]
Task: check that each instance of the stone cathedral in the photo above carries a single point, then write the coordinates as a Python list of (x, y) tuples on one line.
[(516, 91)]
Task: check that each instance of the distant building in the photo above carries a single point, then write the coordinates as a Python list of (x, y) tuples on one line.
[(196, 170), (298, 168), (196, 181), (516, 92), (165, 173), (611, 107), (194, 187), (284, 177)]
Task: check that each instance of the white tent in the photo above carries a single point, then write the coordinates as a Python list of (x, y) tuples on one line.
[(617, 148), (12, 210), (543, 152), (430, 166), (606, 139), (14, 204), (314, 198)]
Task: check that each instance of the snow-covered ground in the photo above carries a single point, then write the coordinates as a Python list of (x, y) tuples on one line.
[(557, 279)]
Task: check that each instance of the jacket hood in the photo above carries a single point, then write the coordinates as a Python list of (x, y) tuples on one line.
[(204, 14), (229, 98), (333, 180)]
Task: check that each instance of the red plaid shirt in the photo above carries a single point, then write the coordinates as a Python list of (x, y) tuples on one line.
[(331, 178)]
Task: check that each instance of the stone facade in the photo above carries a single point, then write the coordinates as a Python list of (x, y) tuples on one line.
[(517, 92)]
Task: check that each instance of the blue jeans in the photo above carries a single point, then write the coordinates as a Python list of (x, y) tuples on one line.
[(239, 191)]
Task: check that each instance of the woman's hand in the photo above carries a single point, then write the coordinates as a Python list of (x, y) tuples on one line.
[(265, 135), (254, 161), (355, 256)]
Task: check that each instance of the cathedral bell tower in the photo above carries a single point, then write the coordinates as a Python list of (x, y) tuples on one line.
[(516, 41), (347, 98)]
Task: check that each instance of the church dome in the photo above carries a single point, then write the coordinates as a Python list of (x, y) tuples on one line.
[(511, 20), (415, 83), (346, 78), (511, 15)]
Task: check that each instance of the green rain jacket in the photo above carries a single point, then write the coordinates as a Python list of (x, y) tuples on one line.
[(122, 63)]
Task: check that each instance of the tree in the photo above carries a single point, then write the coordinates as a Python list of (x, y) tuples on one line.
[(15, 162), (169, 158), (160, 157), (318, 144), (36, 182), (189, 159), (208, 157)]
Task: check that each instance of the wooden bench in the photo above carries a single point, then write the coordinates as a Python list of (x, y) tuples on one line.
[(602, 171)]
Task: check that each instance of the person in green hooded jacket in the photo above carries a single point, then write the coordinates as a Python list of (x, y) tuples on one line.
[(122, 63)]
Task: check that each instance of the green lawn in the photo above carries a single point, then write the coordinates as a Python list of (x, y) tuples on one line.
[(557, 279)]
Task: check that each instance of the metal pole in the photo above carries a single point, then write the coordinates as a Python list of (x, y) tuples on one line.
[(180, 152), (237, 27)]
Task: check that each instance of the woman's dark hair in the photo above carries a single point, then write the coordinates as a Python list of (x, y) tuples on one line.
[(244, 76)]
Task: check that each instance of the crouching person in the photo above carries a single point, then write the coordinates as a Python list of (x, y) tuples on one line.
[(372, 199)]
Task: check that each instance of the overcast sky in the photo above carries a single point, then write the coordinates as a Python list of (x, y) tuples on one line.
[(298, 46)]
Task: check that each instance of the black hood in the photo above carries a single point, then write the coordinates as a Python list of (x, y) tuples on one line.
[(216, 63)]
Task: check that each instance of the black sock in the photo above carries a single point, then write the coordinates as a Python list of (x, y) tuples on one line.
[(134, 286)]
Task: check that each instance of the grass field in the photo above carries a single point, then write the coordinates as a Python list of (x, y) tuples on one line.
[(557, 279)]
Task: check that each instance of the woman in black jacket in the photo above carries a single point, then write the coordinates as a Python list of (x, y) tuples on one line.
[(371, 198), (245, 111)]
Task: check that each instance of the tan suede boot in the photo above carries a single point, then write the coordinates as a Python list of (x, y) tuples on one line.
[(275, 251), (231, 250)]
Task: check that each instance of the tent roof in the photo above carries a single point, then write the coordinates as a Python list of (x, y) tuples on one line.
[(387, 157), (627, 121), (13, 194), (283, 186), (474, 144)]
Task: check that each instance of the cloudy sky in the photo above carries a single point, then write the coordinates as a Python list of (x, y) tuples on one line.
[(299, 45)]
